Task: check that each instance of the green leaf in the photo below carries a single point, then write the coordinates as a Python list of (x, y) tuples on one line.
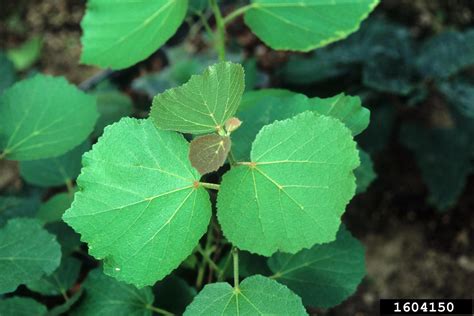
[(7, 70), (324, 275), (209, 152), (257, 295), (250, 98), (66, 306), (139, 207), (365, 173), (53, 209), (260, 111), (305, 25), (13, 206), (460, 95), (204, 103), (106, 296), (55, 171), (446, 54), (28, 252), (60, 281), (112, 106), (295, 189), (68, 239), (118, 34), (21, 306), (44, 117), (376, 136), (27, 54), (173, 295)]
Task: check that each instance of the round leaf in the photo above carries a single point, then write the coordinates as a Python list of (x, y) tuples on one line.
[(208, 153), (306, 24), (293, 193), (257, 295), (139, 206), (204, 103), (27, 252), (324, 275), (54, 171), (119, 33), (44, 117)]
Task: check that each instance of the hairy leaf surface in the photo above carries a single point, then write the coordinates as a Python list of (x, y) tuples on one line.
[(257, 295), (27, 252), (204, 103), (139, 206), (44, 117), (118, 33), (307, 24), (324, 275), (295, 189)]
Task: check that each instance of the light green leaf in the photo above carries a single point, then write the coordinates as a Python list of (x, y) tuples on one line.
[(324, 275), (106, 296), (257, 295), (118, 33), (44, 117), (307, 24), (60, 281), (27, 54), (21, 306), (53, 209), (14, 206), (28, 252), (55, 171), (112, 106), (295, 189), (140, 206), (365, 173), (204, 103), (263, 110), (7, 70)]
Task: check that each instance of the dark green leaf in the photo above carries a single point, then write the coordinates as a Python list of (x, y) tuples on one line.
[(460, 94), (7, 70), (53, 209), (13, 206), (173, 294), (365, 173), (21, 306), (112, 106)]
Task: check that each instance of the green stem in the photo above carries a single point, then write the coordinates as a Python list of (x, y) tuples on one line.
[(211, 186), (237, 12), (70, 186), (203, 265), (221, 275), (207, 258), (231, 159), (220, 30), (235, 255), (158, 310)]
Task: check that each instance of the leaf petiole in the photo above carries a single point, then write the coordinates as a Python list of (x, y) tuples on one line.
[(211, 186), (235, 256), (158, 310), (236, 13)]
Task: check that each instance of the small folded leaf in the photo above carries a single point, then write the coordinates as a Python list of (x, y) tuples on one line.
[(55, 171), (118, 34), (208, 153), (106, 296), (53, 209), (60, 281), (139, 206), (324, 275), (27, 252), (44, 117), (21, 306), (204, 103), (257, 295), (306, 24), (295, 189), (365, 173)]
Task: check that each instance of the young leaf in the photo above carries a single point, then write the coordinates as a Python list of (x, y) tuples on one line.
[(204, 103), (13, 206), (365, 173), (324, 275), (28, 252), (307, 24), (118, 34), (112, 106), (8, 72), (21, 306), (55, 171), (139, 206), (44, 117), (60, 281), (53, 209), (295, 189), (106, 296), (260, 111), (257, 295), (208, 153)]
